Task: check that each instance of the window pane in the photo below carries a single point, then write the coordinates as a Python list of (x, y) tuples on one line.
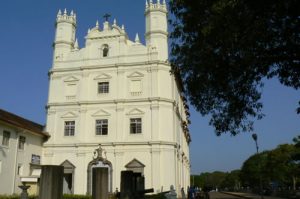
[(69, 128), (102, 127), (103, 87), (5, 139), (35, 159), (20, 169), (22, 141), (135, 125)]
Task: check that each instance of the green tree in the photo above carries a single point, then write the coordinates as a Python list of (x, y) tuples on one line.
[(213, 180), (254, 170), (224, 49), (296, 156), (197, 181), (280, 165), (232, 181), (277, 165)]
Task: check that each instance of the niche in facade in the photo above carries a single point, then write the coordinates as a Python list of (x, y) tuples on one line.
[(105, 50)]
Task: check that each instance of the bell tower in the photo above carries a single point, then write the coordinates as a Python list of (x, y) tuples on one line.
[(65, 34), (157, 27)]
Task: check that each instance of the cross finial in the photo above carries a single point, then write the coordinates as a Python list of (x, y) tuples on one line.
[(106, 16)]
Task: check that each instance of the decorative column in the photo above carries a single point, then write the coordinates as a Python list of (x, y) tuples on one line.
[(118, 165), (119, 122), (156, 169), (155, 120), (154, 82)]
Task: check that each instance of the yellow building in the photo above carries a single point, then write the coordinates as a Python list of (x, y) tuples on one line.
[(21, 144)]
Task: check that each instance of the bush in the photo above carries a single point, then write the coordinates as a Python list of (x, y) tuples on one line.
[(15, 197), (66, 196), (156, 196), (70, 196)]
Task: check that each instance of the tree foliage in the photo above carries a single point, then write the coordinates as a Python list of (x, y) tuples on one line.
[(254, 170), (232, 181), (225, 48), (217, 179), (274, 166), (296, 156)]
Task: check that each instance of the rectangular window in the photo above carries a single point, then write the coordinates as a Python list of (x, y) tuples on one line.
[(35, 159), (69, 128), (6, 137), (103, 87), (22, 141), (135, 125), (20, 169), (101, 127)]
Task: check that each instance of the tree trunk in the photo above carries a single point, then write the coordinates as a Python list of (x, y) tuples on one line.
[(294, 182)]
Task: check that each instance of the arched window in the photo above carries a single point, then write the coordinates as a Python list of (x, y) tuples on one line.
[(105, 50)]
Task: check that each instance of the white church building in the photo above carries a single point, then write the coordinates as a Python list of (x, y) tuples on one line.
[(121, 95)]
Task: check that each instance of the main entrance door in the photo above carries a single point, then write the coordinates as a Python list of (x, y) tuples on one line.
[(100, 183), (98, 162)]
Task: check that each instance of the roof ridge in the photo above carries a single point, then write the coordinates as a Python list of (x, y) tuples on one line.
[(22, 122)]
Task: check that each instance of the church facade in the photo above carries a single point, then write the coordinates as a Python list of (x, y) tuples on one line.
[(119, 97)]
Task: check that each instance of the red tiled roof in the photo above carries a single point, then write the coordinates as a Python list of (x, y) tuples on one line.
[(21, 122)]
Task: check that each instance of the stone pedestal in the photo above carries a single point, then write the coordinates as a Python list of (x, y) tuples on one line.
[(24, 194), (100, 183), (51, 182)]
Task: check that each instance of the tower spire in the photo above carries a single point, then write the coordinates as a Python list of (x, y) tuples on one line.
[(59, 13), (76, 46), (137, 38), (97, 24)]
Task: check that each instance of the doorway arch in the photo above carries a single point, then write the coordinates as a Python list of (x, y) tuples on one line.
[(100, 162)]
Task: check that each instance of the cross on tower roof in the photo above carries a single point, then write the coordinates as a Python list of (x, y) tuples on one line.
[(106, 16)]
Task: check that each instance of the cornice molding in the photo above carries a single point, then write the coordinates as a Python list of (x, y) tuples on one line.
[(79, 103), (113, 144), (116, 65)]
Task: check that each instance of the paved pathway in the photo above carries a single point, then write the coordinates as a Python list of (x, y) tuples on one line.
[(249, 195), (219, 195)]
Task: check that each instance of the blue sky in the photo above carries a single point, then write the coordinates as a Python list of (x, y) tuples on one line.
[(26, 36)]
